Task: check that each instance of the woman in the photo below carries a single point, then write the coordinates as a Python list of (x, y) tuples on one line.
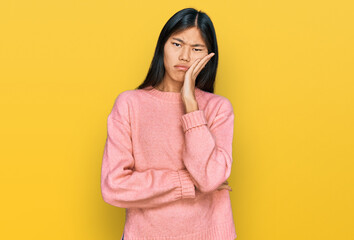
[(168, 152)]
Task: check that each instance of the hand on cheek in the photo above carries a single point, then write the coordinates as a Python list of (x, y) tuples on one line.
[(190, 76), (193, 71)]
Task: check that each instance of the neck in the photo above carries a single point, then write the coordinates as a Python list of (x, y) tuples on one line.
[(169, 86)]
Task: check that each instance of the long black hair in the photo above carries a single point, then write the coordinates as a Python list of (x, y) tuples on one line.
[(182, 20)]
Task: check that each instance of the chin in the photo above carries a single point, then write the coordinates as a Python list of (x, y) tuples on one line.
[(178, 78)]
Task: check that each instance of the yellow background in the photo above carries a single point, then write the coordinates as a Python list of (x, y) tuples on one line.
[(286, 66)]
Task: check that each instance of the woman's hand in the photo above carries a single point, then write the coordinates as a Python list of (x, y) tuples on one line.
[(224, 185), (190, 76)]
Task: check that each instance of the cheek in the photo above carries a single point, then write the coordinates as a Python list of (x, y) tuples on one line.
[(200, 55), (168, 60), (197, 55)]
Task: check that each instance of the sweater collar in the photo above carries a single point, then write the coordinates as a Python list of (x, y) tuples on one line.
[(171, 96)]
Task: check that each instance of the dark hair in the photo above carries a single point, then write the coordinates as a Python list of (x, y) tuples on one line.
[(182, 20)]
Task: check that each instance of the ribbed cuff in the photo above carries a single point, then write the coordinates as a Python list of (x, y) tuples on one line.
[(193, 119), (188, 188)]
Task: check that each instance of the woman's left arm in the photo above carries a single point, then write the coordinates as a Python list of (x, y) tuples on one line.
[(207, 152)]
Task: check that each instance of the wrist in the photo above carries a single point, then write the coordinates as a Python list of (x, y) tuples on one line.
[(191, 106)]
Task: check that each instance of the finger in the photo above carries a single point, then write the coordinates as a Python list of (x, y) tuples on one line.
[(191, 68), (225, 187), (194, 67), (202, 64), (204, 60)]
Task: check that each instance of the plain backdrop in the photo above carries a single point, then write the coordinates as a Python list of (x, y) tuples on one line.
[(286, 66)]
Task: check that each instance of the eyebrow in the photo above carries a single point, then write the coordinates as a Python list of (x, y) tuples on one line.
[(193, 45)]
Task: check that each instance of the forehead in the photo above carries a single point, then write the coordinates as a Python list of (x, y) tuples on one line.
[(190, 36)]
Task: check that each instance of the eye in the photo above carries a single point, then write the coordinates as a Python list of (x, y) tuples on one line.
[(198, 49), (175, 43)]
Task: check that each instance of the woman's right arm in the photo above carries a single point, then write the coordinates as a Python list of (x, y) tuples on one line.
[(121, 186)]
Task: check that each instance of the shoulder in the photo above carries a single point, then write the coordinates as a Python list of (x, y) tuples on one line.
[(218, 103), (127, 97), (122, 104), (127, 100)]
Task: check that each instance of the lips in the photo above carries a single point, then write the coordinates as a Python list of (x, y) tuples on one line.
[(182, 67)]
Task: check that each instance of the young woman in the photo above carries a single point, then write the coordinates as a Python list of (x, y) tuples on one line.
[(168, 152)]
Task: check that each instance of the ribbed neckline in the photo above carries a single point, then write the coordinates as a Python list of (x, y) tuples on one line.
[(171, 96)]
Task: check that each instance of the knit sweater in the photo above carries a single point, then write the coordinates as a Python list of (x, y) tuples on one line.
[(164, 165)]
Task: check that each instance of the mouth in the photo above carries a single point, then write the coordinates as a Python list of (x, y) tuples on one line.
[(182, 68)]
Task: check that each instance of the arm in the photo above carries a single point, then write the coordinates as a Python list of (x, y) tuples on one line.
[(121, 186), (207, 153)]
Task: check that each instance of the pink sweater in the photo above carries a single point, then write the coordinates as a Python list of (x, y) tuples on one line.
[(164, 165)]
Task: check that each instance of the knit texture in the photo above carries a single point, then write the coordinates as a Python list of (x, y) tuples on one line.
[(164, 165)]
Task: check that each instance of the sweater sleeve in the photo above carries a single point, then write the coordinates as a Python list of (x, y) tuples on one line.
[(207, 152), (121, 185)]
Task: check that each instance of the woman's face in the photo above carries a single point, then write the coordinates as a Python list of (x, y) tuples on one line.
[(183, 49)]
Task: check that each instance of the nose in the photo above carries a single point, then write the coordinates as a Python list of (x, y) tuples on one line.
[(184, 55)]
